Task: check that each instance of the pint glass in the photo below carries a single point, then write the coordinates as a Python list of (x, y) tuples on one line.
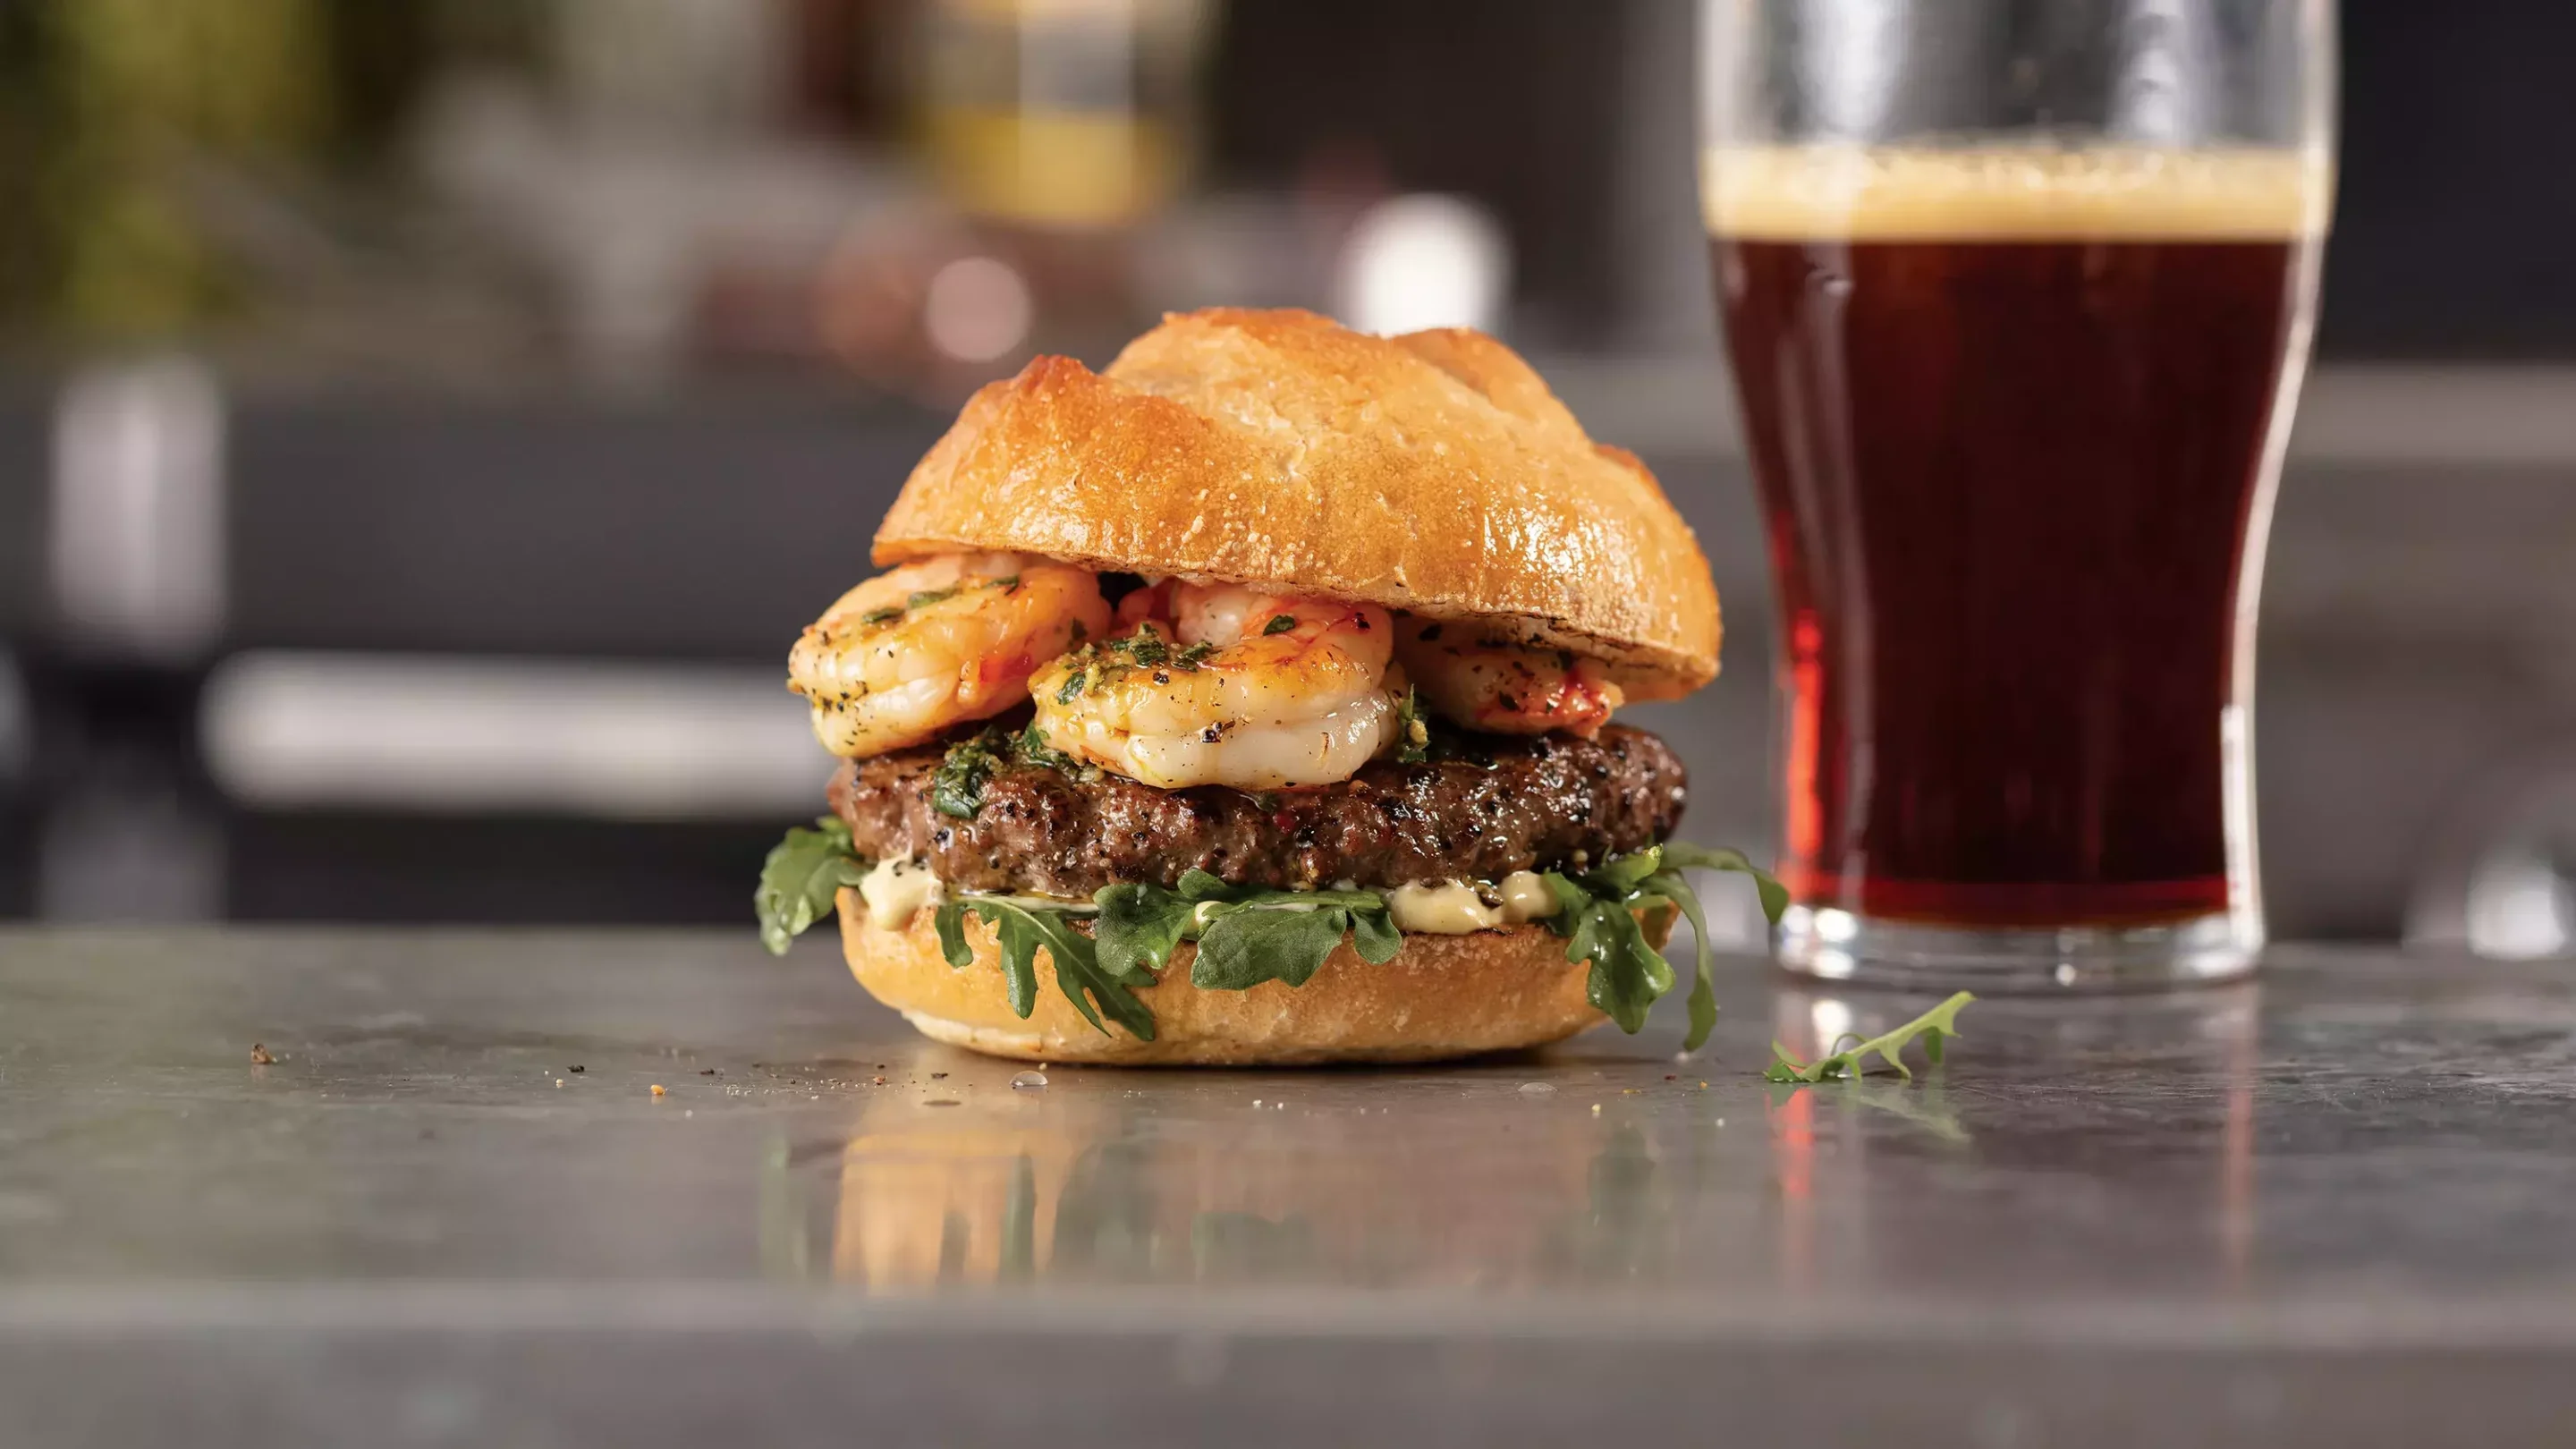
[(2017, 295)]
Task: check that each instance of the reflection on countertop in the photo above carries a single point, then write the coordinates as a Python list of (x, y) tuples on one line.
[(2342, 1199), (468, 1106)]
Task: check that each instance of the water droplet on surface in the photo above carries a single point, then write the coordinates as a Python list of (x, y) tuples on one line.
[(1538, 1089), (1028, 1081)]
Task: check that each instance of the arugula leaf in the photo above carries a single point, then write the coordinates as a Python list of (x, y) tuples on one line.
[(1022, 931), (1280, 624), (1934, 1027), (950, 923), (1639, 880), (1627, 973), (1139, 926), (1243, 948), (800, 877), (1703, 994), (1680, 855), (1199, 885), (1374, 936), (1246, 935)]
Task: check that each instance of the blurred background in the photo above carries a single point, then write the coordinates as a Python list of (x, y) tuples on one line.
[(424, 424)]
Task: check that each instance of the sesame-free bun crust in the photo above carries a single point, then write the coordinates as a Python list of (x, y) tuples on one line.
[(1433, 472), (1441, 997)]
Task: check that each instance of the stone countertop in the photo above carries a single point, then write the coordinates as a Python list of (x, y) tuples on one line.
[(2336, 1206)]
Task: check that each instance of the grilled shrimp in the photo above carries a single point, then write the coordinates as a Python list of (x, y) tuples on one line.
[(910, 652), (1501, 686), (1237, 688)]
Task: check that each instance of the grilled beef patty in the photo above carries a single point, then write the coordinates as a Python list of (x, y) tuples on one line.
[(1496, 805)]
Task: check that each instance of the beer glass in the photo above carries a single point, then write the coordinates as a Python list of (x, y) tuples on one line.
[(2017, 295)]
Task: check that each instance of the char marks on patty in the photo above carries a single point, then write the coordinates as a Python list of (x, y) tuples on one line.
[(1494, 806)]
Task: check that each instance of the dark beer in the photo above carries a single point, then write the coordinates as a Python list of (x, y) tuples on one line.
[(2013, 428)]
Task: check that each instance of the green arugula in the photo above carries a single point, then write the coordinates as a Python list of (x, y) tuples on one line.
[(1246, 935), (1596, 913), (800, 877), (1280, 624), (1935, 1027), (1021, 930)]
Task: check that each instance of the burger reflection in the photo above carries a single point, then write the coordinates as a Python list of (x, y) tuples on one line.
[(1083, 1186)]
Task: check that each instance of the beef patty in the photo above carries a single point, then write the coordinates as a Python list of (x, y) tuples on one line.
[(1495, 806)]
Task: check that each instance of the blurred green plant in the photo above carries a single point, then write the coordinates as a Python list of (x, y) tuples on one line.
[(119, 118)]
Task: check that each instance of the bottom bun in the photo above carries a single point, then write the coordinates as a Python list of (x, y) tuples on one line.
[(1441, 997)]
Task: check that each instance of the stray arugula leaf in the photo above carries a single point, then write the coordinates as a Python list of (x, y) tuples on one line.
[(1071, 689), (1934, 1027), (1280, 624), (924, 598), (1020, 932), (1007, 583), (800, 878), (886, 615), (1188, 660), (1415, 731)]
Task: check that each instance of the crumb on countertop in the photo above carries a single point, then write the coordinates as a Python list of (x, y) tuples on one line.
[(259, 1056), (657, 1089)]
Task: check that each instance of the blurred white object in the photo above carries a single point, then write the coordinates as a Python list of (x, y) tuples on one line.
[(585, 737), (136, 538), (977, 309), (1423, 261), (2500, 879)]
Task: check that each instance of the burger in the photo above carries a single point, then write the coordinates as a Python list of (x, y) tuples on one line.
[(1252, 701)]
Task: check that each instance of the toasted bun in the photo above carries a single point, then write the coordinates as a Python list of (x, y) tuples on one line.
[(1432, 472), (1441, 997)]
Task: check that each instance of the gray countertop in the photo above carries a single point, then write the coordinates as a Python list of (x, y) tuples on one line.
[(2338, 1206)]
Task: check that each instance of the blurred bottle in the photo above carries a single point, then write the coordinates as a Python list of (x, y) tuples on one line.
[(1061, 113)]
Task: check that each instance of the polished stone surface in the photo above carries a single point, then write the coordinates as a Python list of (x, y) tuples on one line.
[(2335, 1205)]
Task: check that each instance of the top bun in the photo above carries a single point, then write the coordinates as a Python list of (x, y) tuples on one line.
[(1432, 472)]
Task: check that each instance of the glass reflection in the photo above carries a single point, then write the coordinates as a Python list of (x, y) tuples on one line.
[(2159, 1110)]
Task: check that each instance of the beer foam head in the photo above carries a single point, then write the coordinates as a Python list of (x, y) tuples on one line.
[(1799, 193)]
